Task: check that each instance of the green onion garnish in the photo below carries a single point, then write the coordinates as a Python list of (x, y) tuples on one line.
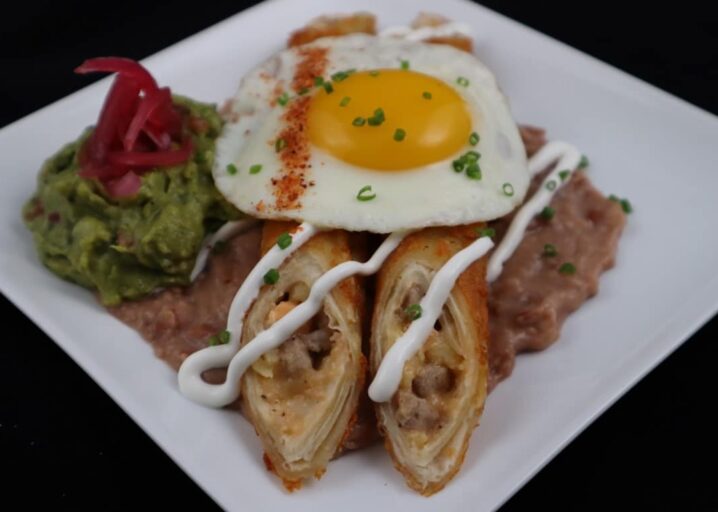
[(405, 64), (626, 205), (255, 169), (232, 169), (413, 312), (399, 135), (345, 101), (328, 87), (583, 163), (272, 276), (472, 156), (303, 91), (283, 99), (280, 144), (490, 232), (547, 213), (549, 250), (459, 165), (365, 193), (474, 138), (284, 240), (359, 121), (318, 81), (342, 75), (221, 338), (563, 175), (551, 185), (462, 81), (377, 118), (508, 189), (426, 95), (567, 269), (473, 171)]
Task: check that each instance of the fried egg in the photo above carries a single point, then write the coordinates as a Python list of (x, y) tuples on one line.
[(370, 133)]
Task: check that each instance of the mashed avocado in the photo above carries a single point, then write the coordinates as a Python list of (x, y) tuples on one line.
[(127, 248)]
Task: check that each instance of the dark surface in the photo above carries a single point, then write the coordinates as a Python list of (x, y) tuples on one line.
[(64, 443)]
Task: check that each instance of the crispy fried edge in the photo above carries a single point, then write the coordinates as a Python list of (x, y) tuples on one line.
[(360, 22), (474, 290)]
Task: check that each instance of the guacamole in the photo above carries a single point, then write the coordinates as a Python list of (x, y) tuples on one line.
[(127, 248)]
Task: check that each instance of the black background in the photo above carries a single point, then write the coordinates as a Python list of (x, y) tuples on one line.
[(64, 443)]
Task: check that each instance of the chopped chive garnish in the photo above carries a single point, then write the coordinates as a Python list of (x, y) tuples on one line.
[(377, 118), (473, 171), (583, 163), (345, 101), (426, 95), (474, 138), (462, 81), (413, 312), (564, 174), (472, 156), (280, 144), (374, 72), (359, 121), (221, 338), (272, 276), (255, 169), (284, 240), (551, 185), (626, 205), (399, 134), (508, 189), (232, 169), (404, 64), (567, 269), (365, 193), (328, 87), (549, 250), (283, 99), (318, 81), (342, 75), (303, 91), (490, 232), (458, 165), (547, 213)]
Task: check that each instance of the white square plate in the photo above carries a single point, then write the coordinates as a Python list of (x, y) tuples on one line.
[(642, 143)]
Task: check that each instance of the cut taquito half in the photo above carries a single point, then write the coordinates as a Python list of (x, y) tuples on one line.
[(428, 422), (302, 397)]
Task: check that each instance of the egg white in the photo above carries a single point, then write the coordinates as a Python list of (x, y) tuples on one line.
[(432, 195)]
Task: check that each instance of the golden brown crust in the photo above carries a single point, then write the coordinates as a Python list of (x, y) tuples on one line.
[(438, 245), (325, 26), (285, 392)]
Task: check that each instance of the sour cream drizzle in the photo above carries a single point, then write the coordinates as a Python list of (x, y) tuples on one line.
[(226, 232), (568, 159), (388, 377), (219, 356), (419, 34), (190, 374)]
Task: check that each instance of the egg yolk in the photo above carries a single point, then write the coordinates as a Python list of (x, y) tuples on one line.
[(389, 119)]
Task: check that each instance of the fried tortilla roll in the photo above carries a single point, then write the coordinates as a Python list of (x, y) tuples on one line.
[(302, 397), (429, 420)]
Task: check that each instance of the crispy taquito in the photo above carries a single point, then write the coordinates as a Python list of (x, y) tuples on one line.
[(302, 397), (429, 420)]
